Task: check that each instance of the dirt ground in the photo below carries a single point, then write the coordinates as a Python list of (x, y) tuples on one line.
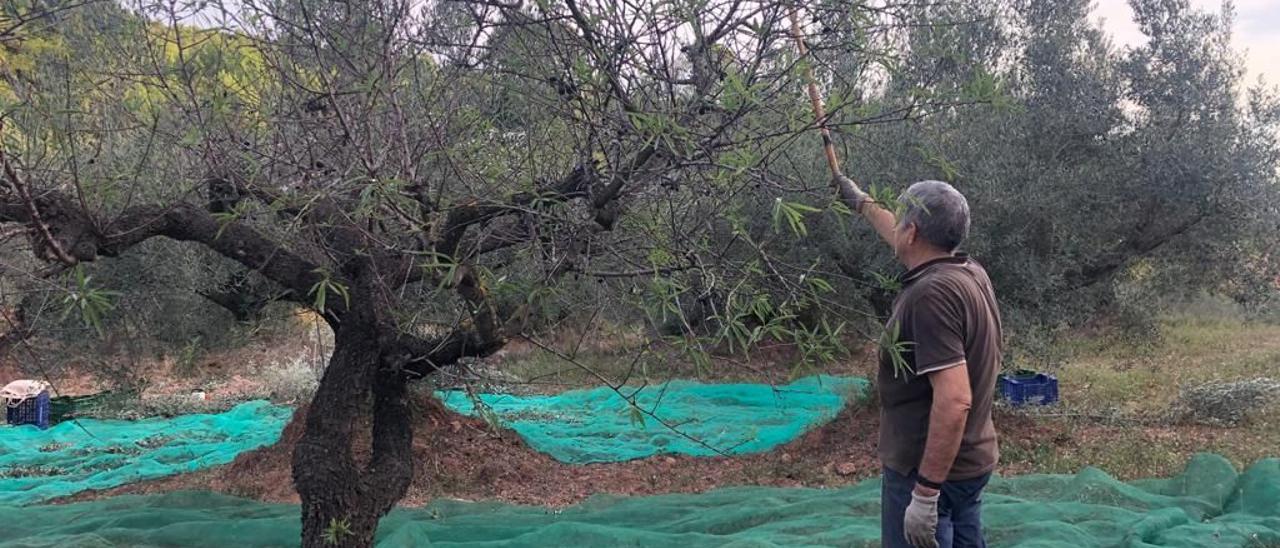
[(460, 457), (463, 458)]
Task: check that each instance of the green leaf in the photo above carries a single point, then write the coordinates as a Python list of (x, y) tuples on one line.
[(886, 282), (192, 136), (819, 285), (793, 213), (443, 266), (777, 214), (736, 93), (342, 290), (949, 170), (891, 344), (337, 531), (320, 291), (637, 418), (224, 219), (90, 303), (841, 209)]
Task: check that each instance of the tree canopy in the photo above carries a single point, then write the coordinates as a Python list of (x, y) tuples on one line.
[(435, 178)]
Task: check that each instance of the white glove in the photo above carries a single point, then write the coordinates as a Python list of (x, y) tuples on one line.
[(920, 524)]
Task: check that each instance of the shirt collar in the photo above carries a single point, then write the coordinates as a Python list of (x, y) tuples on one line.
[(915, 273)]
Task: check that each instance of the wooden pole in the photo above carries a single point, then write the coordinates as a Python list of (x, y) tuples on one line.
[(819, 111)]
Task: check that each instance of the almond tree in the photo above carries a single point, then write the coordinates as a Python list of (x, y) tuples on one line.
[(395, 166)]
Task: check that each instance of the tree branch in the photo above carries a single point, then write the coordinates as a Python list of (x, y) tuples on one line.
[(480, 337), (86, 240), (1135, 246), (244, 298), (23, 193), (575, 185)]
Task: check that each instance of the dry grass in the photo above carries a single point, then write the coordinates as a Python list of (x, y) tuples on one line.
[(1103, 376), (1118, 409), (1128, 451)]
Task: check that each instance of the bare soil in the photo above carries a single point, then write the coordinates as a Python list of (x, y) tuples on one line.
[(460, 457), (463, 458)]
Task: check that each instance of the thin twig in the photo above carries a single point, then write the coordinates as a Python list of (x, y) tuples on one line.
[(629, 399)]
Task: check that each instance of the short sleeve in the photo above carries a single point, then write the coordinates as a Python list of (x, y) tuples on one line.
[(937, 329)]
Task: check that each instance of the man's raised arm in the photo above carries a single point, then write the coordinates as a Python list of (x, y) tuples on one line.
[(880, 217)]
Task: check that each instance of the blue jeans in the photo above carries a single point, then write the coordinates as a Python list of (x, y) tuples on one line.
[(959, 511)]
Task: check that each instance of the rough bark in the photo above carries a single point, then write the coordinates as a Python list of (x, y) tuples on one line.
[(575, 185), (372, 361), (342, 502), (86, 238)]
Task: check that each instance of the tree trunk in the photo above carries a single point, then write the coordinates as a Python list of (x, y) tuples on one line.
[(342, 501)]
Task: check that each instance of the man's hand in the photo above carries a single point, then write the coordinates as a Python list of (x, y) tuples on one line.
[(920, 524), (852, 196), (881, 219)]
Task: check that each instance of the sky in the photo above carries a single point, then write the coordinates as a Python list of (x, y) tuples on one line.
[(1256, 33)]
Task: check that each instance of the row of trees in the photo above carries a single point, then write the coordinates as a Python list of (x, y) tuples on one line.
[(427, 176)]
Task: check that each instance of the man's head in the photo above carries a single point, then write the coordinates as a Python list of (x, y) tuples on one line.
[(934, 220)]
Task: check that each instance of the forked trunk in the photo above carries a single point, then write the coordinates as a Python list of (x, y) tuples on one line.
[(341, 500)]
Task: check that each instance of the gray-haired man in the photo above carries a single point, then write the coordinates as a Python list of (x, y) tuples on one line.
[(937, 442)]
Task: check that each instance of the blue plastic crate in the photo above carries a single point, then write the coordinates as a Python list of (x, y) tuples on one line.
[(1028, 388), (30, 411)]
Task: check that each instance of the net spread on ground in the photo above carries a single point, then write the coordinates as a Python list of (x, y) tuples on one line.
[(38, 465), (578, 426), (599, 425), (1210, 504)]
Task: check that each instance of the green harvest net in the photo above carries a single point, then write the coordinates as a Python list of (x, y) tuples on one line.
[(597, 425), (1208, 505), (577, 426), (37, 465)]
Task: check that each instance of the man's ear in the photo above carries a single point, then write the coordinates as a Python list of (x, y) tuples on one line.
[(911, 231)]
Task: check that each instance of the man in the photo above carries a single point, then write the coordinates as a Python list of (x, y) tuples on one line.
[(937, 442)]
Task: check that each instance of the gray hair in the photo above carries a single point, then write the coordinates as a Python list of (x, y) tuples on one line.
[(939, 211)]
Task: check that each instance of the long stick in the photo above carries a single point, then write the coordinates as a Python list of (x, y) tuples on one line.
[(819, 111)]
